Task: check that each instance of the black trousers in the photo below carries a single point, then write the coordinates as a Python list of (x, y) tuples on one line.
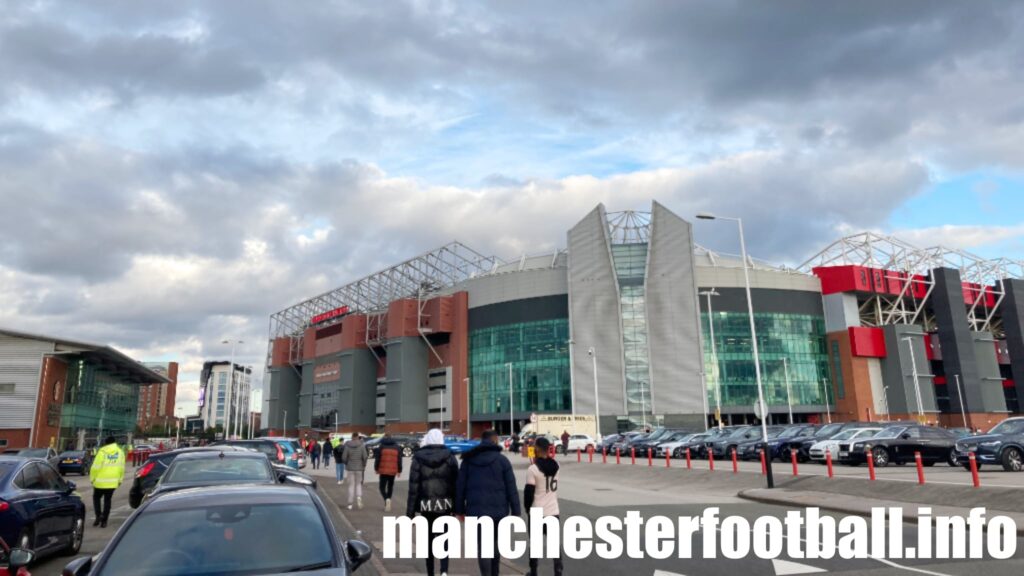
[(489, 566), (387, 486), (534, 562), (102, 495), (430, 547)]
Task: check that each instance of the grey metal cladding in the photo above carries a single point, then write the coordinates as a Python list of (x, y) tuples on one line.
[(512, 286), (594, 315), (406, 380), (898, 373), (21, 359), (306, 394), (990, 383), (672, 319), (357, 402), (1013, 326), (284, 395)]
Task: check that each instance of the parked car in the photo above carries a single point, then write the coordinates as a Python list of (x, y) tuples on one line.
[(209, 468), (897, 444), (1003, 445), (692, 442), (607, 443), (227, 529), (144, 448), (77, 461), (459, 444), (14, 560), (751, 449), (48, 454), (578, 442), (295, 454), (723, 445), (817, 451), (150, 472), (667, 445), (651, 441), (790, 440), (39, 510), (276, 450)]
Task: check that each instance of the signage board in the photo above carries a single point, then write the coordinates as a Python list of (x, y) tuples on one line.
[(329, 315)]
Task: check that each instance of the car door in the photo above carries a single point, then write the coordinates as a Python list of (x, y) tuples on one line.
[(938, 444), (909, 442), (45, 504), (62, 514)]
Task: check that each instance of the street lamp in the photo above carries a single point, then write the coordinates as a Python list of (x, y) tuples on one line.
[(572, 386), (828, 410), (714, 357), (231, 388), (511, 402), (469, 429), (917, 384), (597, 401), (789, 390), (885, 400), (960, 393), (753, 338), (643, 404)]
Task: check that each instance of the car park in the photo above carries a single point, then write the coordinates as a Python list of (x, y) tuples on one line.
[(607, 443), (790, 440), (39, 510), (751, 449), (149, 473), (1003, 445), (694, 444), (722, 446), (77, 461), (651, 441), (817, 451), (898, 444), (227, 530), (668, 444)]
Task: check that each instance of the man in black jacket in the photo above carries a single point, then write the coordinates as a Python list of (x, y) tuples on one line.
[(487, 487), (432, 479)]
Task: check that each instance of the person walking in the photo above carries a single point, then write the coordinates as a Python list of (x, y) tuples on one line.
[(387, 464), (339, 463), (487, 487), (541, 491), (565, 441), (354, 457), (433, 476), (325, 452), (105, 474), (314, 453)]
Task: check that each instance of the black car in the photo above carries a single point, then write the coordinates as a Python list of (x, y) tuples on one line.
[(147, 475), (607, 443), (695, 443), (790, 440), (721, 446), (651, 441), (218, 468), (77, 461), (39, 510), (227, 530), (751, 449), (408, 443), (273, 450), (1003, 445), (897, 445)]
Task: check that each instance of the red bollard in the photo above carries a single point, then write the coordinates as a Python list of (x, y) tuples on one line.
[(764, 463), (792, 456), (632, 455), (579, 455), (735, 464), (650, 458), (920, 467), (551, 452), (689, 464), (974, 470), (828, 462), (668, 459), (590, 450), (711, 459), (604, 455), (871, 463), (618, 455)]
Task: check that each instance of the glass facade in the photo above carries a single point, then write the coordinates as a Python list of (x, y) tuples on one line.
[(539, 353), (797, 338), (630, 262), (97, 401)]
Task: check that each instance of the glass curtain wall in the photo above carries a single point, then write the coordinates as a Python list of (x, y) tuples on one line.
[(799, 338), (539, 353), (630, 262), (98, 402)]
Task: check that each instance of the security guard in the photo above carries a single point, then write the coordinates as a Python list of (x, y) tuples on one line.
[(106, 474)]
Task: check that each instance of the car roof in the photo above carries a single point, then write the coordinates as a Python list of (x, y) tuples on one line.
[(195, 449), (211, 454), (231, 494)]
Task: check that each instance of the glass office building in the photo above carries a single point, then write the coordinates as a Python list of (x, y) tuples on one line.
[(97, 402)]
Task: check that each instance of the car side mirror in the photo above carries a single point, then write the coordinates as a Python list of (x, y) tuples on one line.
[(293, 479), (78, 567), (19, 558), (358, 553), (69, 486), (905, 436)]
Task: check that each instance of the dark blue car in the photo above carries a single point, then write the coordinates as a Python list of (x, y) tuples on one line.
[(77, 461), (38, 509)]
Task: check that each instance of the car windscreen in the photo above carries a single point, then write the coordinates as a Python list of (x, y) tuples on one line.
[(34, 453), (847, 434), (73, 454), (217, 470), (891, 432), (1008, 427), (828, 431), (222, 540)]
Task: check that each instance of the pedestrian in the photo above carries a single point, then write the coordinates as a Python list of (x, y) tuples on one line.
[(314, 453), (541, 491), (487, 487), (387, 464), (105, 474), (354, 457), (325, 452), (433, 476), (565, 441), (339, 462)]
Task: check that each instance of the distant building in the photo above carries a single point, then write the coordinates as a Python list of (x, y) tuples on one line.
[(223, 400), (59, 392), (156, 401)]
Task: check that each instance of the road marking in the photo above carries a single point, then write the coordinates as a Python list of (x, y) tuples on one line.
[(664, 573), (785, 567)]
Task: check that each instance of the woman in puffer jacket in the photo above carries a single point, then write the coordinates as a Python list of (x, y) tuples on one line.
[(432, 479)]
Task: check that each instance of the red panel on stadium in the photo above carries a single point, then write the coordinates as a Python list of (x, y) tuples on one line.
[(867, 342)]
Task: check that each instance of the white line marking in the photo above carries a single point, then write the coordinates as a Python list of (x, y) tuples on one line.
[(786, 567)]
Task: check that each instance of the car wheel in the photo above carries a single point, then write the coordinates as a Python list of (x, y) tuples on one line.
[(881, 457), (951, 458), (77, 535), (1012, 460), (407, 451)]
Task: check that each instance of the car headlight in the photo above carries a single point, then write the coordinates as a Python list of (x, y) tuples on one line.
[(992, 443)]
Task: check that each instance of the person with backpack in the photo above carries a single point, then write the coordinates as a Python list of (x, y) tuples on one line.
[(433, 476), (339, 464), (325, 452), (314, 453), (354, 458), (541, 491), (387, 464), (487, 487)]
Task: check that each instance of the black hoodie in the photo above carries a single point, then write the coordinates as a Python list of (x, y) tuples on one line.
[(486, 486), (432, 478)]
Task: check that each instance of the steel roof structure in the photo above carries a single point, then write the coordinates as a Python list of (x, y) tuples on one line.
[(431, 271)]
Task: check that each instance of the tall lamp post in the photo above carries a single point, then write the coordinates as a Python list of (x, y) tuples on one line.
[(753, 340), (917, 383), (828, 409), (572, 387), (597, 401), (511, 403), (885, 400), (714, 356), (960, 393), (469, 426), (789, 390)]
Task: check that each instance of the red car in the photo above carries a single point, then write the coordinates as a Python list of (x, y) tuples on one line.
[(14, 566)]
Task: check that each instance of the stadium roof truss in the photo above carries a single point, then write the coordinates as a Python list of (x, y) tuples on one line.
[(889, 253)]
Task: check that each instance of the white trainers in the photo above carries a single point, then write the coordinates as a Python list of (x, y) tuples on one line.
[(359, 503), (387, 505), (339, 482), (349, 506)]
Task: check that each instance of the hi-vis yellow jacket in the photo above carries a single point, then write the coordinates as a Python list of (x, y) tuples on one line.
[(107, 467)]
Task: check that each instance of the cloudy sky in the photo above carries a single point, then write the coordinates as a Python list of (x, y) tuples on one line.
[(173, 172)]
